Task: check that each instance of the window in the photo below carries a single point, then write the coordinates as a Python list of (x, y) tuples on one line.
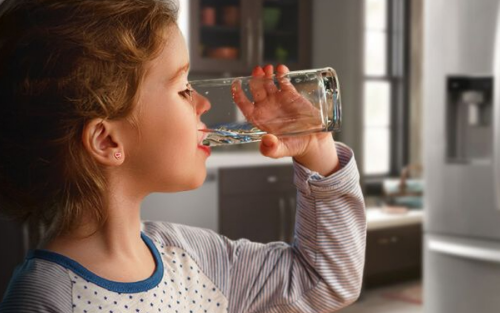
[(385, 87)]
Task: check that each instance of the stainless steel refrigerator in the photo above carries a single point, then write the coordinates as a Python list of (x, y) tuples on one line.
[(461, 85)]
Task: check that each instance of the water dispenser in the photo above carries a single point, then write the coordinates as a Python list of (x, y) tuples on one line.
[(469, 122)]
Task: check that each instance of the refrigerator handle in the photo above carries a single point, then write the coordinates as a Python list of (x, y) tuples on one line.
[(464, 250), (496, 116)]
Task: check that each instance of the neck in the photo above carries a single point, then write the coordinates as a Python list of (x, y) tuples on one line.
[(119, 236), (115, 250)]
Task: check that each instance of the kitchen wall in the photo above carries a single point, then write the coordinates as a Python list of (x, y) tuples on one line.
[(338, 42), (416, 61)]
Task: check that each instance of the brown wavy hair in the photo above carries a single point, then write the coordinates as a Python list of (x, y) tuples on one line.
[(63, 63)]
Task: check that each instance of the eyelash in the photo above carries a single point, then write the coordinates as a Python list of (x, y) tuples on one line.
[(187, 93)]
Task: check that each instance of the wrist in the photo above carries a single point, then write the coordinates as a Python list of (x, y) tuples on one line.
[(320, 155)]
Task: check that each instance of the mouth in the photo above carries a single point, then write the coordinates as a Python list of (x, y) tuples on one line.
[(204, 135), (206, 149)]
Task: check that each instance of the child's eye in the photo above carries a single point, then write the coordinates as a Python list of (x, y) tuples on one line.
[(187, 93)]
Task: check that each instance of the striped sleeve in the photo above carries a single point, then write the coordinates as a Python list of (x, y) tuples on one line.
[(38, 286), (321, 271)]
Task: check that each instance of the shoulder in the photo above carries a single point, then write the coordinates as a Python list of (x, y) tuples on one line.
[(210, 251), (38, 286), (182, 236)]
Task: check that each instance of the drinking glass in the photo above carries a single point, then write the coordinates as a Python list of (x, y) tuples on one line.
[(243, 109)]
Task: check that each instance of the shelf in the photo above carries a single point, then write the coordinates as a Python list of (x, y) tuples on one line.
[(220, 29), (279, 33), (280, 3), (291, 31)]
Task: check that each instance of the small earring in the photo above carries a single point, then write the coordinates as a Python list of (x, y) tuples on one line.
[(118, 155)]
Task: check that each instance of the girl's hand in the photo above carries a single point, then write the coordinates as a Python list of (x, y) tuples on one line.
[(281, 111)]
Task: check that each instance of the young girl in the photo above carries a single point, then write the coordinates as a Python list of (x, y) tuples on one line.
[(95, 114)]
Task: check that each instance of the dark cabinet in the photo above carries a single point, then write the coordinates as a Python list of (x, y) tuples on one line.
[(257, 203), (393, 254), (236, 35)]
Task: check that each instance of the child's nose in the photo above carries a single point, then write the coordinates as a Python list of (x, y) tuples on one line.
[(202, 103)]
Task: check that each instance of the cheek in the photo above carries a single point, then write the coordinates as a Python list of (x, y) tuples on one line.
[(173, 145), (166, 156), (169, 118)]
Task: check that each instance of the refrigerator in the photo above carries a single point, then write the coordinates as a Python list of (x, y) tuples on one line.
[(461, 140)]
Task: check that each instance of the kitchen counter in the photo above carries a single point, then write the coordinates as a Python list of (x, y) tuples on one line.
[(185, 207), (243, 159), (377, 219)]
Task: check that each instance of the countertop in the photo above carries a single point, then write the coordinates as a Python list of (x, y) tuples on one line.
[(377, 219), (243, 159)]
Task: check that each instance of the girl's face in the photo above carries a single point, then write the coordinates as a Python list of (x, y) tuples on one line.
[(165, 153)]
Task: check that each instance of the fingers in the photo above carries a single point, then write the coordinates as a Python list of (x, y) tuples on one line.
[(241, 100), (284, 82), (257, 88), (269, 85), (269, 146), (273, 147), (281, 70), (263, 85)]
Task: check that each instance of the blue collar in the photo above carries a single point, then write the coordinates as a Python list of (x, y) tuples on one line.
[(119, 287)]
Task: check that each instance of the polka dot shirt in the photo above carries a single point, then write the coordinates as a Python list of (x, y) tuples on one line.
[(183, 288)]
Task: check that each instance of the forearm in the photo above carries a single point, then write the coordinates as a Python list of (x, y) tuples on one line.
[(331, 228), (320, 155)]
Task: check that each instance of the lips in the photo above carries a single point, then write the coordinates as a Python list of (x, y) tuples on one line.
[(205, 149), (202, 133), (201, 138)]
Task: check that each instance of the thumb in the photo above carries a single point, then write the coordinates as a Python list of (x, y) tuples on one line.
[(272, 147)]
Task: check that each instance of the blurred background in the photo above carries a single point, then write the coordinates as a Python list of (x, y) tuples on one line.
[(417, 87)]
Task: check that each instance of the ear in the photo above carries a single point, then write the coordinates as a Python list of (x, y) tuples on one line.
[(101, 138)]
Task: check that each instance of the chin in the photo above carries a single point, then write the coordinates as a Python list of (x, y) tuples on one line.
[(197, 181), (187, 182)]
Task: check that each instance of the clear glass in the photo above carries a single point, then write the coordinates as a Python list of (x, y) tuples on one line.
[(243, 109)]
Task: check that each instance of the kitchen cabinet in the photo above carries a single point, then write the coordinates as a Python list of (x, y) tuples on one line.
[(257, 203), (393, 254), (236, 35)]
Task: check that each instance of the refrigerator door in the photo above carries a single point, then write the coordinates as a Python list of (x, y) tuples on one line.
[(461, 276), (459, 41)]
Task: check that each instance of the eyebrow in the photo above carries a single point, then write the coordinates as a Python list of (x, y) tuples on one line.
[(179, 72)]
